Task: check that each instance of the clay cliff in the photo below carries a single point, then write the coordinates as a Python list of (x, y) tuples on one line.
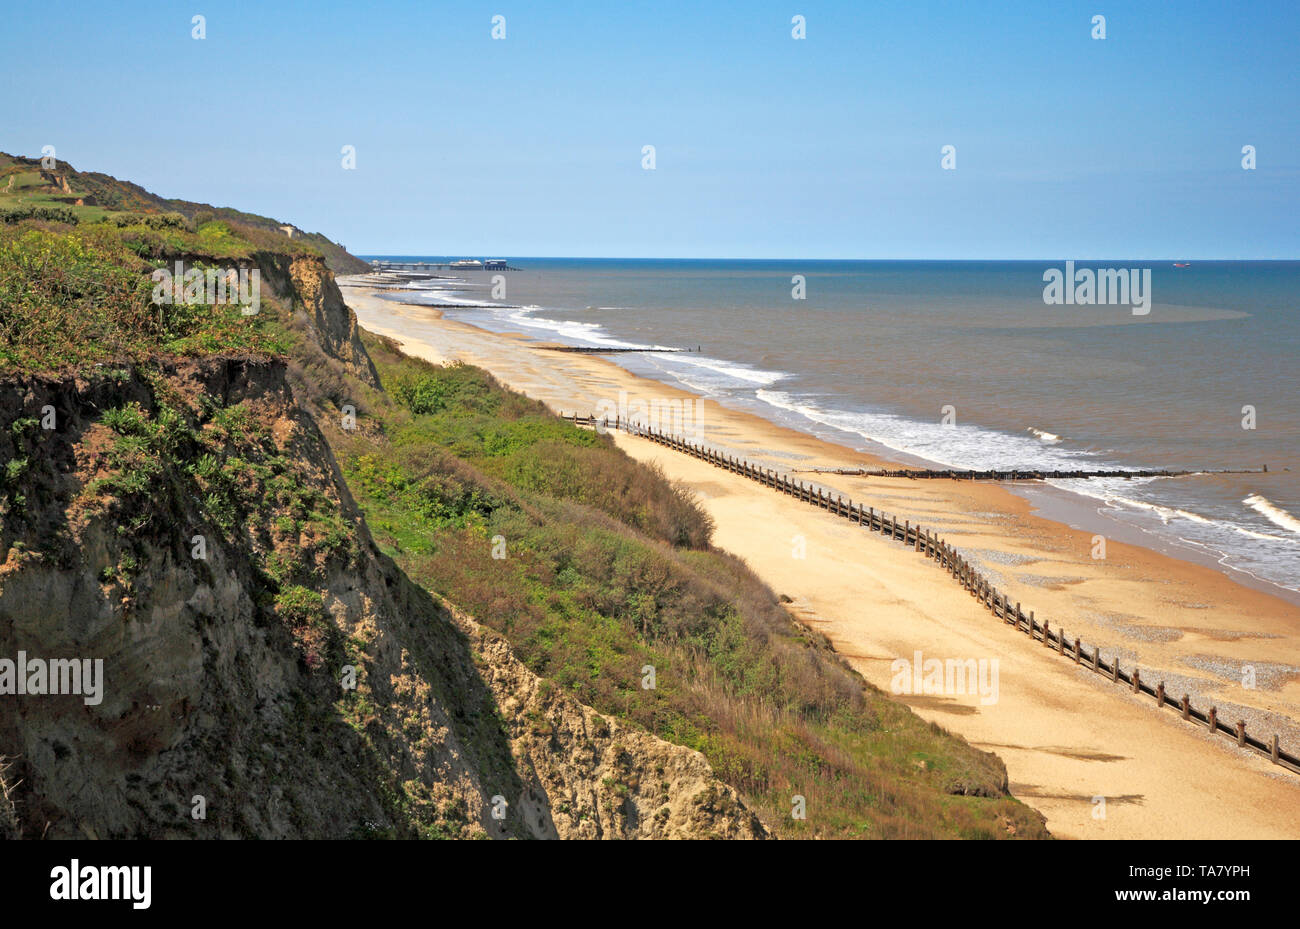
[(267, 671)]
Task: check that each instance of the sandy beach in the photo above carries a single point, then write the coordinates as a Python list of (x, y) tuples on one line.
[(1097, 761)]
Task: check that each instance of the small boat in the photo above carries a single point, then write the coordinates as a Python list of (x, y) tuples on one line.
[(1182, 264)]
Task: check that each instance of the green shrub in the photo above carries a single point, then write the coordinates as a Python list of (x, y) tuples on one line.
[(54, 214), (68, 299), (148, 220), (608, 569), (303, 612)]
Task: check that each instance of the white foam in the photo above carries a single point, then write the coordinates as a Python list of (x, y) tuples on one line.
[(444, 297), (1233, 545), (434, 293), (1166, 513), (729, 368), (588, 333), (593, 334), (1274, 514), (1252, 534), (955, 446)]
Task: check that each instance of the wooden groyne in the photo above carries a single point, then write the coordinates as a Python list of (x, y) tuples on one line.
[(932, 546), (952, 474)]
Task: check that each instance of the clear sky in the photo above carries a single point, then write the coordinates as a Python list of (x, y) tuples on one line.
[(766, 146)]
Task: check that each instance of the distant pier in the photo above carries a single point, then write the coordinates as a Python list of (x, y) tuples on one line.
[(490, 264)]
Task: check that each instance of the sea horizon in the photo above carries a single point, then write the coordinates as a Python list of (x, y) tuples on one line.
[(418, 256)]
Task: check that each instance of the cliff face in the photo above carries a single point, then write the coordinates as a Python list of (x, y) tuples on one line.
[(585, 776), (309, 286), (187, 525)]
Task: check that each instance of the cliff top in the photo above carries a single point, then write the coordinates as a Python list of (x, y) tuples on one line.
[(86, 197)]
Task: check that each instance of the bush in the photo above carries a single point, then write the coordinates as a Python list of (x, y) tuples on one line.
[(303, 611), (636, 494), (149, 220), (424, 389), (424, 393), (54, 214), (609, 569), (75, 297)]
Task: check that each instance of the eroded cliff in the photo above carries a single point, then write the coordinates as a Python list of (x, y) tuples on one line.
[(197, 540), (266, 671)]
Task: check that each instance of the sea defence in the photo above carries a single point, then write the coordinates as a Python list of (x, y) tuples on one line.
[(950, 559), (1020, 474)]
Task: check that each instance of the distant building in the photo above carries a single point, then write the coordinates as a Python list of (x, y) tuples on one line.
[(467, 265), (494, 263)]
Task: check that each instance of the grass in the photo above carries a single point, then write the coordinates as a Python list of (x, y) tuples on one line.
[(71, 297), (608, 571), (461, 409), (23, 187), (595, 567), (28, 189), (247, 486)]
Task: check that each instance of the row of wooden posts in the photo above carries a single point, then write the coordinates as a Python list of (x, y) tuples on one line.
[(955, 474), (947, 557)]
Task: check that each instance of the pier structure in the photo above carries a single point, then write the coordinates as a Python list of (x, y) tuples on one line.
[(487, 264)]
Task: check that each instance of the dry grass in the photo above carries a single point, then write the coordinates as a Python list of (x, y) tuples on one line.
[(10, 827), (608, 569)]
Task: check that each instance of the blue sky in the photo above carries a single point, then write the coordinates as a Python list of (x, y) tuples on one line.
[(766, 147)]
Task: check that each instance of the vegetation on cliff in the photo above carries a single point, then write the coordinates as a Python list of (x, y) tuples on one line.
[(71, 297), (28, 190), (364, 510), (597, 569), (169, 508)]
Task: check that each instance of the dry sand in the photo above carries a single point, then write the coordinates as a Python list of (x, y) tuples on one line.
[(1068, 737)]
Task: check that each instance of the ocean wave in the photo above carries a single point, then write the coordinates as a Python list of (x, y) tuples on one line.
[(1050, 438), (587, 333), (444, 297), (596, 335), (956, 446), (1263, 556), (1263, 536), (1166, 514), (730, 369), (427, 296), (1273, 513), (1220, 535), (732, 374)]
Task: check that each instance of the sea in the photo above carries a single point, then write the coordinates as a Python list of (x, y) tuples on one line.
[(968, 364)]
